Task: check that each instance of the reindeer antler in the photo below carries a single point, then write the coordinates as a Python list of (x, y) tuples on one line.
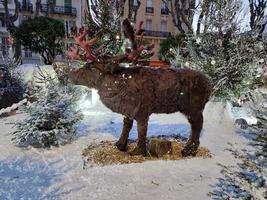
[(86, 45), (137, 47), (131, 35), (74, 53)]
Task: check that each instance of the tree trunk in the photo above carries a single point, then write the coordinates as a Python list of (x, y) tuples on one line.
[(252, 15), (17, 50), (181, 12), (38, 7), (9, 21), (257, 8), (201, 16), (44, 58)]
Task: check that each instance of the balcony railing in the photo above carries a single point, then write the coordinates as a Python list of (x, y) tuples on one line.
[(156, 33), (164, 11), (62, 10), (149, 10), (26, 7)]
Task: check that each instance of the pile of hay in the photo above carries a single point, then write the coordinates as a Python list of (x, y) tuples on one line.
[(105, 153)]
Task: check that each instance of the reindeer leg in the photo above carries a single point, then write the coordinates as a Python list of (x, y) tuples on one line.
[(127, 126), (141, 144), (196, 121)]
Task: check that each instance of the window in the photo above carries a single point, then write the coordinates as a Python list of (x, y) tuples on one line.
[(149, 3), (164, 8), (2, 23), (163, 26), (135, 2), (164, 5), (72, 24), (68, 3), (53, 2), (69, 25), (149, 25), (26, 1), (4, 46), (149, 6), (27, 53)]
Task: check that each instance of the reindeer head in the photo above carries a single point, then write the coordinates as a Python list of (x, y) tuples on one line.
[(97, 66)]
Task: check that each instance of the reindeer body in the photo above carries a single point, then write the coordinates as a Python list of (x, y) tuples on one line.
[(138, 92)]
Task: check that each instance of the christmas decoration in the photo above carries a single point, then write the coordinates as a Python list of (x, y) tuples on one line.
[(137, 92)]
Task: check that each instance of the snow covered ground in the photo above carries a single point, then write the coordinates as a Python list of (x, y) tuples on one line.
[(59, 173)]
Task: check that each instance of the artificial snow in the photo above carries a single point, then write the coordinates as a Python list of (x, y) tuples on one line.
[(59, 173), (241, 113), (13, 107)]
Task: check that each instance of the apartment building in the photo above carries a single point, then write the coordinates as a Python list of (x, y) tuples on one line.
[(158, 22), (69, 11)]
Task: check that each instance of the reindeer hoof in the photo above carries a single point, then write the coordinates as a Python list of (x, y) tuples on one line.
[(138, 151), (190, 149), (121, 146)]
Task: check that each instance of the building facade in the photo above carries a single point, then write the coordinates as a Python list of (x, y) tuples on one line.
[(70, 12), (158, 22)]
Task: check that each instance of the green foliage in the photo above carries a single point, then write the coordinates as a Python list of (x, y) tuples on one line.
[(42, 35), (169, 44), (231, 61), (103, 21)]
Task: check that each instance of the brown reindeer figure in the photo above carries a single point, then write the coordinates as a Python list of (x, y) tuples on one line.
[(137, 92)]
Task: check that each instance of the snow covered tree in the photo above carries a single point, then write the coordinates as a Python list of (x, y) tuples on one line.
[(51, 118), (228, 57), (11, 87), (104, 19), (231, 61), (169, 45)]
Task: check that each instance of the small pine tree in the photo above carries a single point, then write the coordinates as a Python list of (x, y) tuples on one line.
[(51, 118), (11, 87), (228, 57), (232, 62), (168, 46)]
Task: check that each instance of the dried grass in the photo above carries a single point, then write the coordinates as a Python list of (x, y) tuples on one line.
[(105, 153)]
